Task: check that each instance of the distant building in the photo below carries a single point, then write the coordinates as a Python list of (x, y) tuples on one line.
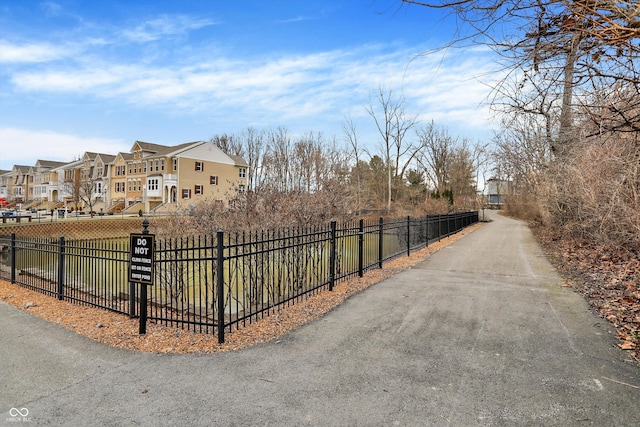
[(150, 177), (5, 178), (496, 189)]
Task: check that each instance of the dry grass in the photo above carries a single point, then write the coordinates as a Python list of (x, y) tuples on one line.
[(120, 331)]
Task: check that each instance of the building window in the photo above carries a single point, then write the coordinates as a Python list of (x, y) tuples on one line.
[(198, 190), (199, 166), (157, 165), (144, 166), (241, 188), (213, 180), (242, 173), (153, 185), (175, 163), (162, 165), (130, 168), (186, 193)]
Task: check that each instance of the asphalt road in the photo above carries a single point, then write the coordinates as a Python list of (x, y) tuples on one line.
[(481, 333)]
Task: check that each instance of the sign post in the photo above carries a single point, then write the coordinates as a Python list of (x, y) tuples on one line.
[(141, 267)]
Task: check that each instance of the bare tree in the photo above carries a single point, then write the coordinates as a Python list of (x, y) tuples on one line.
[(393, 124), (276, 161), (88, 193), (462, 175), (522, 153), (254, 146), (568, 44), (351, 136), (436, 155), (229, 144)]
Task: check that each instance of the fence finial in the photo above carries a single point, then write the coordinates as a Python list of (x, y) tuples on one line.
[(145, 226)]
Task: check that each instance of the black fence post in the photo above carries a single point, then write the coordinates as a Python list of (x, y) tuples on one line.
[(61, 268), (361, 249), (426, 231), (132, 300), (13, 257), (142, 327), (408, 235), (332, 256), (132, 297), (380, 238), (220, 284), (427, 220)]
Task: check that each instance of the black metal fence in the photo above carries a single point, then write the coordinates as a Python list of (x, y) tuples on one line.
[(214, 284)]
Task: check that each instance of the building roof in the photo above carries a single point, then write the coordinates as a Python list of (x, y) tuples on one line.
[(148, 146), (167, 151), (239, 160), (107, 158), (49, 164), (21, 168)]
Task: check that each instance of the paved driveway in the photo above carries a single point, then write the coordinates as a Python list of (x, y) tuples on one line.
[(481, 333)]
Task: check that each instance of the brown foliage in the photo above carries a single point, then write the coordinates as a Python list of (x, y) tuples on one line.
[(596, 195), (524, 206), (271, 209)]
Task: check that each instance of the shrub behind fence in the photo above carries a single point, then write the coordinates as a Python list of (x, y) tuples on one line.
[(214, 284)]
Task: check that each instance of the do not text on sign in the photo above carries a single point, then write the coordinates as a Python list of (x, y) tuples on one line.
[(141, 258)]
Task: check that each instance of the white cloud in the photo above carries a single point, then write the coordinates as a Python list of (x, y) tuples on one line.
[(295, 19), (73, 81), (25, 146), (283, 87), (315, 88), (51, 8), (165, 25), (31, 52)]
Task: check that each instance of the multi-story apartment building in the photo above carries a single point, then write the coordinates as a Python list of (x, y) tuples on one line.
[(153, 176), (5, 178), (45, 189), (149, 177), (19, 183)]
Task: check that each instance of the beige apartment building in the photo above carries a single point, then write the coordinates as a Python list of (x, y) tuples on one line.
[(149, 178)]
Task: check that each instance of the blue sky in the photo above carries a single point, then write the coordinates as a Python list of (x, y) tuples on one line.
[(80, 76)]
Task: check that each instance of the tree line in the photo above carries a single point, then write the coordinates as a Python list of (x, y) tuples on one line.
[(301, 179), (569, 143)]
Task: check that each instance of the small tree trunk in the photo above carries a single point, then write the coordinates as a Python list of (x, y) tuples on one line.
[(566, 136)]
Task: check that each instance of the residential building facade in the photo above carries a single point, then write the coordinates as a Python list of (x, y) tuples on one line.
[(150, 177)]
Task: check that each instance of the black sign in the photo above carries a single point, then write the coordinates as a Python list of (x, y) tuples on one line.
[(141, 258)]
